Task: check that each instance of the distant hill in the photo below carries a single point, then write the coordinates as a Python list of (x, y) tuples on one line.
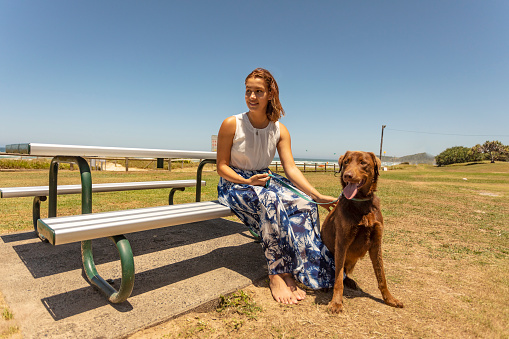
[(420, 158)]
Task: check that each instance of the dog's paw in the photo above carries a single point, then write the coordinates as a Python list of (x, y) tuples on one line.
[(394, 303), (335, 307)]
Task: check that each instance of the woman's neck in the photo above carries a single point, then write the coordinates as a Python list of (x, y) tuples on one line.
[(258, 120)]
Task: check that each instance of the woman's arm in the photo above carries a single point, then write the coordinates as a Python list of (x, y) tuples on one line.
[(292, 172), (224, 146)]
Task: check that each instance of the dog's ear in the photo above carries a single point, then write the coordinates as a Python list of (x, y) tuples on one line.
[(340, 161), (377, 164)]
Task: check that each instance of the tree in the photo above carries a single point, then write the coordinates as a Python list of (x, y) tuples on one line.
[(494, 149), (455, 155)]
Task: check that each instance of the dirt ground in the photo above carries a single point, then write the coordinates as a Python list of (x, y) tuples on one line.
[(435, 307), (449, 269), (446, 257), (9, 326)]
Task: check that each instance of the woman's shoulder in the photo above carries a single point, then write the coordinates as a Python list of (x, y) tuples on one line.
[(236, 117), (230, 123), (283, 131)]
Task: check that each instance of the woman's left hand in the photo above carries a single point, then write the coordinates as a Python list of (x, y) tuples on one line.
[(324, 199)]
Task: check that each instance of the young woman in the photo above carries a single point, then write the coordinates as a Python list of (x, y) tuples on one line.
[(287, 224)]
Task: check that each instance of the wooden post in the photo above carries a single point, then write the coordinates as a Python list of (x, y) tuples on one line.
[(381, 142), (126, 164)]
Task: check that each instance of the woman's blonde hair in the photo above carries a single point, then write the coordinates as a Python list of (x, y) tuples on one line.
[(274, 109)]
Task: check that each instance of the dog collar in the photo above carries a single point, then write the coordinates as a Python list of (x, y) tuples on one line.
[(355, 199)]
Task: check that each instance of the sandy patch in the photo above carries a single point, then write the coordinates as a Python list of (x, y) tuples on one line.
[(119, 168), (489, 194)]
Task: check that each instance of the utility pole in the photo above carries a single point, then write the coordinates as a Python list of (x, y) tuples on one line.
[(381, 142)]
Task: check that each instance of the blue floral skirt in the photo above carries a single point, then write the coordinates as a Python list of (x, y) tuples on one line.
[(288, 226)]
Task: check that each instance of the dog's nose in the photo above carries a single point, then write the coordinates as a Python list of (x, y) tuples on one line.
[(347, 176)]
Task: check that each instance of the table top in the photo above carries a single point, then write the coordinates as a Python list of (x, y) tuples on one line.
[(52, 150)]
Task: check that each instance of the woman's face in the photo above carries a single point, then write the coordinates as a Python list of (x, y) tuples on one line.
[(257, 95)]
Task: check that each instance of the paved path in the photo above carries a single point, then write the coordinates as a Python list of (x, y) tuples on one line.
[(178, 269)]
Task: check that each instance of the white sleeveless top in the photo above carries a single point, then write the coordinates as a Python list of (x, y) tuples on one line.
[(253, 148)]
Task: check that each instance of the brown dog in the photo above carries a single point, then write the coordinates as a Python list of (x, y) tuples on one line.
[(355, 225)]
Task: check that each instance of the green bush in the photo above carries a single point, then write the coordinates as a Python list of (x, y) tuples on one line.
[(28, 164), (456, 155)]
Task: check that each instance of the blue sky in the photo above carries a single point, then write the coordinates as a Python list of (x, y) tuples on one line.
[(164, 74)]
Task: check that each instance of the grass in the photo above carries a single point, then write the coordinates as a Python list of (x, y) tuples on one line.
[(44, 163), (446, 256), (240, 303), (7, 314), (8, 325), (17, 212)]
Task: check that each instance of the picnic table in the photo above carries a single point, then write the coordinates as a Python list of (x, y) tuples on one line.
[(88, 226), (77, 153)]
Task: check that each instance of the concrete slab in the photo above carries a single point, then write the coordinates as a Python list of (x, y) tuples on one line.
[(178, 269)]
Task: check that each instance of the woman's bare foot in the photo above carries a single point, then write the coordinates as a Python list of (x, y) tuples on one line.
[(290, 282), (280, 291)]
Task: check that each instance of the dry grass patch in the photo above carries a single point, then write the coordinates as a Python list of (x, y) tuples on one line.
[(9, 327), (446, 256)]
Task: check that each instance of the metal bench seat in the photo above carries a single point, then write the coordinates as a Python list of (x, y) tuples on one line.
[(85, 227), (63, 230), (41, 192)]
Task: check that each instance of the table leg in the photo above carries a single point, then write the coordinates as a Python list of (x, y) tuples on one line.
[(126, 261), (86, 184), (36, 214), (172, 193), (199, 174)]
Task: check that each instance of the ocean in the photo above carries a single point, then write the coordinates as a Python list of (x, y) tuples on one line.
[(331, 162), (312, 161)]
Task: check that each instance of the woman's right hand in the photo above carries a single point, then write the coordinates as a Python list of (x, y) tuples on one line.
[(259, 179)]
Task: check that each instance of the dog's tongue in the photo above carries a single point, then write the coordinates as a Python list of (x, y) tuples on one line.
[(350, 190)]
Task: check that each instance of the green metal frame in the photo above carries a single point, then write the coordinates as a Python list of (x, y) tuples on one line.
[(199, 175), (127, 263), (123, 246), (172, 193), (36, 214), (86, 184)]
